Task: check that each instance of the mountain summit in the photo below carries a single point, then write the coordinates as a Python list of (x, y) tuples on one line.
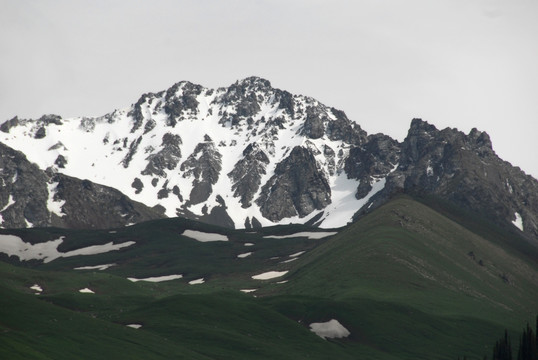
[(250, 155)]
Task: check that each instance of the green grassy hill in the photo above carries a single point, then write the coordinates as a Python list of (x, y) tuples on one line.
[(407, 281)]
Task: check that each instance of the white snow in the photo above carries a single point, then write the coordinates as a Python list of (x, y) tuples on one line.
[(248, 244), (310, 235), (96, 267), (244, 255), (518, 222), (86, 291), (10, 202), (37, 288), (269, 275), (330, 329), (203, 236), (54, 206), (248, 290), (157, 278), (48, 251), (197, 281), (134, 326), (297, 254), (289, 260)]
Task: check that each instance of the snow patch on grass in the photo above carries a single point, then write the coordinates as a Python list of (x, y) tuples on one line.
[(48, 251), (197, 281), (86, 291), (244, 255), (307, 234), (246, 291), (330, 329), (134, 326), (297, 254), (96, 267), (269, 275), (157, 278), (203, 236), (37, 288)]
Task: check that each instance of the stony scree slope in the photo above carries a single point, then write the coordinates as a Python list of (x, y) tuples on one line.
[(252, 154)]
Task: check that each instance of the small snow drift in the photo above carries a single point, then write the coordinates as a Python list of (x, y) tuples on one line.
[(86, 291), (96, 267), (331, 329), (244, 255), (203, 236), (197, 281), (36, 288), (518, 222), (157, 278), (269, 275), (246, 291), (297, 254), (307, 234), (134, 326)]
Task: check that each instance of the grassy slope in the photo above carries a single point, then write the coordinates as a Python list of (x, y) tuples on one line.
[(404, 290), (410, 290)]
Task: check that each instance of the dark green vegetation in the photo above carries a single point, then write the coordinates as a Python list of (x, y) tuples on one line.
[(407, 281)]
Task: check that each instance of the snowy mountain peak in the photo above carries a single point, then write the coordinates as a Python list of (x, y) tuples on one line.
[(253, 155)]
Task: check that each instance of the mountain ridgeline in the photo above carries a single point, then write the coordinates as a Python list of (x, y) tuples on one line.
[(244, 156)]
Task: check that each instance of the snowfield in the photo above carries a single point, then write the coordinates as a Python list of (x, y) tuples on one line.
[(48, 251)]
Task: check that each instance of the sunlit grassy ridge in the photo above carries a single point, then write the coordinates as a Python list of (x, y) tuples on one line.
[(407, 282)]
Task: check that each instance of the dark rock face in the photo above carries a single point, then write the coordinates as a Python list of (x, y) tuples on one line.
[(314, 126), (24, 198), (298, 187), (375, 158), (167, 158), (23, 194), (247, 173), (90, 205), (133, 147), (204, 164), (344, 129)]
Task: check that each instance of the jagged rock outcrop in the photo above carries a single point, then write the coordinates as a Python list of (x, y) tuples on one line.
[(166, 158), (298, 187), (204, 166), (464, 169), (247, 173)]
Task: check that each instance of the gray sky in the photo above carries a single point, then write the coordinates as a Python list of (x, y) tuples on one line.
[(454, 63)]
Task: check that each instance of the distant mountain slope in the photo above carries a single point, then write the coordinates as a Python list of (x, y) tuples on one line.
[(250, 155), (404, 281)]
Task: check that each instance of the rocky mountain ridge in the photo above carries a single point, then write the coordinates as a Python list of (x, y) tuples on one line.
[(252, 155)]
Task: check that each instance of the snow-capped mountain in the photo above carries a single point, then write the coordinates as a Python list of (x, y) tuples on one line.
[(251, 155)]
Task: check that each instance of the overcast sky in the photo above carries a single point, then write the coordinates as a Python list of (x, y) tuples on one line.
[(454, 63)]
